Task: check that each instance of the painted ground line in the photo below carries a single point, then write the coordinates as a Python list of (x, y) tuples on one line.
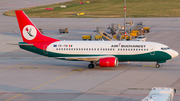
[(40, 86)]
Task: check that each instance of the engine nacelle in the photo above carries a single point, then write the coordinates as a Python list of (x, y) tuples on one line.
[(107, 62)]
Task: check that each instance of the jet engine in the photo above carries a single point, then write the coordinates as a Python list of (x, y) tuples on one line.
[(107, 62)]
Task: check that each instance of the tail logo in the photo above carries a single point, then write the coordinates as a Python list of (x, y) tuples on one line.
[(29, 32)]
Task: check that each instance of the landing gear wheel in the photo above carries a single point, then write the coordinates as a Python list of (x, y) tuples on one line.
[(91, 66), (158, 65)]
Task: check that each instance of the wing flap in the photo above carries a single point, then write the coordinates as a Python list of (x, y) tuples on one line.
[(91, 58)]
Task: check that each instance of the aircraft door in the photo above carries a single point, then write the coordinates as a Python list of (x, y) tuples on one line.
[(44, 49), (152, 50)]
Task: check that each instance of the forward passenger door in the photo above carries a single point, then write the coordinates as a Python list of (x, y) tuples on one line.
[(152, 50)]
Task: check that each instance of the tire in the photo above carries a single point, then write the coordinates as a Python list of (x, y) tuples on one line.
[(157, 65), (91, 66)]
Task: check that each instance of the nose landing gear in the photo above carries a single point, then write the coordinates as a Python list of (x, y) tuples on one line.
[(157, 64)]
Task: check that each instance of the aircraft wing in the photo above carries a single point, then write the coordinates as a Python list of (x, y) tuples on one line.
[(87, 58)]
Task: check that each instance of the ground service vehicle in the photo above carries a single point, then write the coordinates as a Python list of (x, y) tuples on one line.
[(141, 38), (86, 37), (98, 37), (134, 34), (128, 37), (146, 29), (63, 30), (160, 94)]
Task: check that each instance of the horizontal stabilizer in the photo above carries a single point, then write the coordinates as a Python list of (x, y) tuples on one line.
[(20, 44)]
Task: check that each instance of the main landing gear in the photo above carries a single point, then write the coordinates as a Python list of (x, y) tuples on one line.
[(91, 65), (157, 64)]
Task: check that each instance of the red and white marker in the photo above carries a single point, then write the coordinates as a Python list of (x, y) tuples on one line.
[(124, 8)]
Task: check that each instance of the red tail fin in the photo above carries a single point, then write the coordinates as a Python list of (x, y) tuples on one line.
[(29, 32)]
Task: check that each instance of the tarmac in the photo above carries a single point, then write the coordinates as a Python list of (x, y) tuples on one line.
[(25, 76)]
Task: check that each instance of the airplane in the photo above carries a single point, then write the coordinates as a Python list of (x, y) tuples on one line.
[(99, 53)]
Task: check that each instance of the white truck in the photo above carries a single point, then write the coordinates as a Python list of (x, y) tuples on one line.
[(160, 94)]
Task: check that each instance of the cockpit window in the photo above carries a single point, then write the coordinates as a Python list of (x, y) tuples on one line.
[(165, 48)]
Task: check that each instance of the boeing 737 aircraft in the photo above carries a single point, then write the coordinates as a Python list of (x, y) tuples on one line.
[(101, 53)]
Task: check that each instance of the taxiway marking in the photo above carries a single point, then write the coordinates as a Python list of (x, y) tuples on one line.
[(20, 64), (81, 93), (78, 69), (16, 32), (149, 20), (28, 67), (148, 66), (160, 35), (40, 86), (96, 20)]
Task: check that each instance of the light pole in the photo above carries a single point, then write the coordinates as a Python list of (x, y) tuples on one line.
[(125, 19)]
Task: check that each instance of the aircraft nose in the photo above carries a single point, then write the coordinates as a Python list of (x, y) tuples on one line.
[(174, 54)]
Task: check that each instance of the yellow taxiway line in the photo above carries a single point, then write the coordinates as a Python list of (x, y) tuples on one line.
[(41, 85)]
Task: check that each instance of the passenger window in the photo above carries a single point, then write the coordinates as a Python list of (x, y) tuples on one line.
[(76, 48), (71, 48), (66, 48), (94, 48), (98, 49), (128, 49), (57, 48), (113, 49), (89, 48)]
